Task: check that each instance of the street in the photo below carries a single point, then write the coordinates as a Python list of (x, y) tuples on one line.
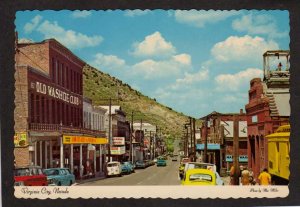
[(152, 175)]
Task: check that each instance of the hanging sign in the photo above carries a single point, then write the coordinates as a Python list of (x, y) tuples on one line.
[(83, 140)]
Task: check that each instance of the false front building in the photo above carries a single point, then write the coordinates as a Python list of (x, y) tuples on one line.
[(49, 109)]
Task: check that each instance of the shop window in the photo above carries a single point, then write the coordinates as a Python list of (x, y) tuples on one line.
[(53, 70), (53, 112), (43, 110), (32, 108), (56, 71)]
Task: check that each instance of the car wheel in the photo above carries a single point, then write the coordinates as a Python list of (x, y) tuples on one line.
[(59, 184), (71, 182)]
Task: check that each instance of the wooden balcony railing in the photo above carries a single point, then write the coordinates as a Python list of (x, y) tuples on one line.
[(64, 129)]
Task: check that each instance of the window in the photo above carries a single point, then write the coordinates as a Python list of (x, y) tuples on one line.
[(56, 71), (37, 109), (32, 108), (53, 112), (53, 70)]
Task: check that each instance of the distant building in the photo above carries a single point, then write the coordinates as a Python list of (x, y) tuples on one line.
[(219, 136)]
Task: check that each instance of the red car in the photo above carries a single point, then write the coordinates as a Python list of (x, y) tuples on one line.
[(30, 176)]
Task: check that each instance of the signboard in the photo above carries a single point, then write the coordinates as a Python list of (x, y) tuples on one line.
[(118, 140), (117, 150), (254, 119), (242, 158), (20, 140), (55, 93), (83, 140)]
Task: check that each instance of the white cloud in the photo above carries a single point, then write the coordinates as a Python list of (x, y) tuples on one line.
[(235, 82), (136, 12), (81, 14), (245, 48), (30, 26), (153, 45), (70, 38), (183, 58), (151, 69), (190, 78), (107, 62), (200, 18), (258, 25)]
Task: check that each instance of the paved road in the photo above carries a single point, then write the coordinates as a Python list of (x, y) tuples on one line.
[(152, 175)]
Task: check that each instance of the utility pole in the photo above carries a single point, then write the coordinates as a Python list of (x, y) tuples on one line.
[(150, 146), (205, 140), (191, 137), (236, 150), (194, 141), (109, 131), (131, 134)]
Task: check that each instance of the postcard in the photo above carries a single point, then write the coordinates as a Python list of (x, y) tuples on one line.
[(152, 104)]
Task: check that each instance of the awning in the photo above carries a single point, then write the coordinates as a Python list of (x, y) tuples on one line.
[(210, 146)]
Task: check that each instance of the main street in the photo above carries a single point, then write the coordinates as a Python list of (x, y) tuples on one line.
[(152, 175)]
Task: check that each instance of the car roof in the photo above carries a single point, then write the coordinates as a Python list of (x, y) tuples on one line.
[(24, 167), (64, 168), (206, 171), (112, 162)]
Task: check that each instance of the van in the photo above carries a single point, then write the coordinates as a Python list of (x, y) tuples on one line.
[(114, 169)]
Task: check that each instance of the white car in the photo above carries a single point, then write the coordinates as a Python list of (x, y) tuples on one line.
[(114, 169)]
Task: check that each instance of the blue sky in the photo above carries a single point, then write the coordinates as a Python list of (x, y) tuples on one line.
[(193, 61)]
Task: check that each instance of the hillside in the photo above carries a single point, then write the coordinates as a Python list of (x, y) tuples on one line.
[(100, 86)]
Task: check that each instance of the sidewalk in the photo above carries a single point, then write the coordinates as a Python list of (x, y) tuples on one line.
[(78, 182)]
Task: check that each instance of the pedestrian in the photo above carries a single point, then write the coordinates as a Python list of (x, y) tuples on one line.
[(231, 173), (264, 177), (245, 175)]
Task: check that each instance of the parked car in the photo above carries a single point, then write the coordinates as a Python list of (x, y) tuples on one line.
[(174, 158), (199, 177), (199, 165), (30, 176), (185, 160), (155, 160), (161, 162), (126, 169), (140, 164), (114, 168), (130, 166), (60, 176)]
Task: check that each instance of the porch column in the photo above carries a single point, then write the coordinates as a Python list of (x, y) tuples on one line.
[(71, 159), (41, 154), (100, 158), (61, 152), (95, 164), (46, 154), (35, 153), (80, 161), (51, 157)]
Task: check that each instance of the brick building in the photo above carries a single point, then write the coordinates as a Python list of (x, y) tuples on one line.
[(217, 130), (268, 107), (49, 108)]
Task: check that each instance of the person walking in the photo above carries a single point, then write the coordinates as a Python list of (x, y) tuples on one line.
[(264, 177), (245, 175)]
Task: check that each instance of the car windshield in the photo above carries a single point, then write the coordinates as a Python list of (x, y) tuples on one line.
[(200, 177), (27, 171), (112, 165), (51, 172)]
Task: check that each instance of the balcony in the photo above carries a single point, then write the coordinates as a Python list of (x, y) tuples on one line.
[(64, 129)]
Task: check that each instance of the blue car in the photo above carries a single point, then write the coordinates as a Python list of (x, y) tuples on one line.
[(130, 165), (140, 164), (126, 169), (60, 176)]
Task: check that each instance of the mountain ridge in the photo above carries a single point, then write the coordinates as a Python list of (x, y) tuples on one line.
[(100, 87)]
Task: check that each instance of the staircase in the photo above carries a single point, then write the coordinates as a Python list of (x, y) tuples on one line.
[(272, 104)]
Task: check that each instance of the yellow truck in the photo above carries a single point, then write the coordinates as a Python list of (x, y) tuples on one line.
[(279, 155)]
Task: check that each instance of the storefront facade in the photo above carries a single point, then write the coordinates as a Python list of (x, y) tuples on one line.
[(49, 106)]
